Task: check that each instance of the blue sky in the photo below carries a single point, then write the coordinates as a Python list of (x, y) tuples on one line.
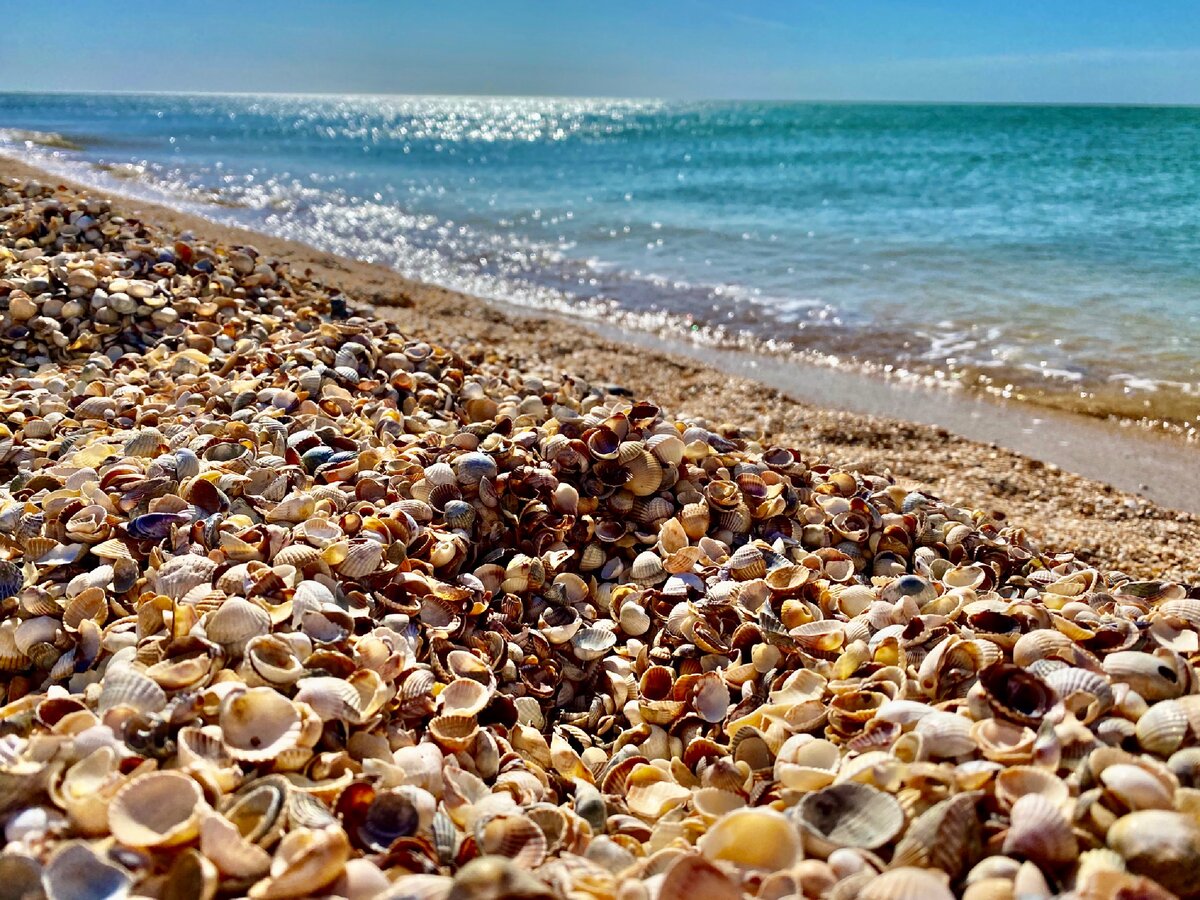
[(971, 50)]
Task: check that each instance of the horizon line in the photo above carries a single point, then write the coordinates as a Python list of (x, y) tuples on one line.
[(612, 97)]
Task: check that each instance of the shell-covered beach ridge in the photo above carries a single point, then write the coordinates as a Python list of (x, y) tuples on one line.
[(295, 604)]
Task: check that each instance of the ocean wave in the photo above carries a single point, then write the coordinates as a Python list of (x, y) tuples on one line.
[(50, 139)]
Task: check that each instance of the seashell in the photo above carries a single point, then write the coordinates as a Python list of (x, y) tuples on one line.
[(947, 837), (592, 642), (644, 470), (258, 724), (1016, 782), (158, 809), (1136, 787), (130, 689), (907, 883), (647, 568), (75, 872), (235, 622), (1015, 694), (650, 792), (362, 558), (11, 580), (453, 732), (1160, 844), (516, 837), (695, 519), (849, 814), (946, 735), (756, 839), (1040, 832), (472, 468), (306, 860), (270, 661), (633, 619), (180, 574), (463, 697), (1163, 727), (747, 562), (1148, 674), (492, 876), (690, 876), (259, 811)]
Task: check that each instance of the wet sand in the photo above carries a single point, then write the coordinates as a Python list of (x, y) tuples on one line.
[(1121, 498)]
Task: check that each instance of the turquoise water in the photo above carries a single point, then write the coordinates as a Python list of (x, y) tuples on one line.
[(1052, 248)]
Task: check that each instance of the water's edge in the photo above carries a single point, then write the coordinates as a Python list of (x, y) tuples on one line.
[(1159, 467)]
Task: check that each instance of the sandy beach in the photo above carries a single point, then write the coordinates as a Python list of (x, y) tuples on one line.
[(1110, 527), (319, 582)]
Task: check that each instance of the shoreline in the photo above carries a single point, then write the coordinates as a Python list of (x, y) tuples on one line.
[(826, 413), (1158, 405)]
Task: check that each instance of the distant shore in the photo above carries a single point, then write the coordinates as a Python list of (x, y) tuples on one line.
[(849, 420)]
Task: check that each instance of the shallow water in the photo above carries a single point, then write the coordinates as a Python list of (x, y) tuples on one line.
[(1044, 251)]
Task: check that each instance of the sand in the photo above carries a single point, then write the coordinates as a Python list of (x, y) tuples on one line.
[(1109, 527)]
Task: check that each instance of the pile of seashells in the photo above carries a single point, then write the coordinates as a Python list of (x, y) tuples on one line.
[(293, 605)]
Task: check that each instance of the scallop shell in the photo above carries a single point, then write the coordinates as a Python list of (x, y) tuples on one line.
[(690, 877), (362, 558), (128, 688), (947, 836), (270, 660), (258, 724), (747, 562), (1164, 726), (158, 809), (516, 837), (12, 579), (235, 622), (1040, 832), (849, 814), (907, 883), (647, 568), (645, 471)]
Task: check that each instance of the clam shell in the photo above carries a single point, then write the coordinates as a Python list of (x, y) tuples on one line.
[(756, 839), (258, 724), (306, 861), (158, 809), (463, 697), (1162, 845), (74, 871)]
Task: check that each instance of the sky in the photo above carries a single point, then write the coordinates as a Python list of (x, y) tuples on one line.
[(1076, 51)]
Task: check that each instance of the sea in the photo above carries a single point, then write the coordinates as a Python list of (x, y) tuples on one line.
[(1050, 253)]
